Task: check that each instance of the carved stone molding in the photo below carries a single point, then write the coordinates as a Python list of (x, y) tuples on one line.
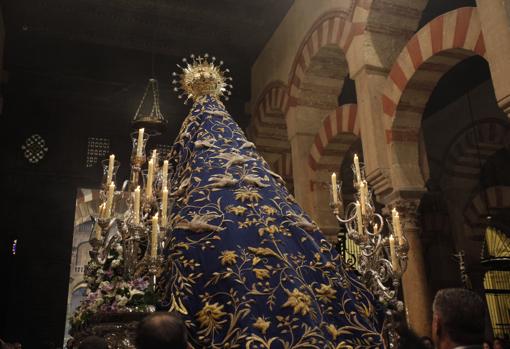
[(380, 180), (408, 211)]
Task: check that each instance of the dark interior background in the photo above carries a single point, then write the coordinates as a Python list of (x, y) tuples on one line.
[(75, 70)]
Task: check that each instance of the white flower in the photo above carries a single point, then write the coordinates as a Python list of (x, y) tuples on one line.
[(115, 263), (134, 292), (121, 300), (118, 248)]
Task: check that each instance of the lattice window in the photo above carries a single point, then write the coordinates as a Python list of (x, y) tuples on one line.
[(97, 148), (34, 148)]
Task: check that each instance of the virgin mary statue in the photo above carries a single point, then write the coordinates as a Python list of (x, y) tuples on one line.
[(245, 266)]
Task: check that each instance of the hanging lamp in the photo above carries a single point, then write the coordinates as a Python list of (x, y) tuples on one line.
[(148, 115)]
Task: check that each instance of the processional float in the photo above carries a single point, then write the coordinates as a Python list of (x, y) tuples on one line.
[(133, 226)]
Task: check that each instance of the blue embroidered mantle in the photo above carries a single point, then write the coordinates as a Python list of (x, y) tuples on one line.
[(248, 267)]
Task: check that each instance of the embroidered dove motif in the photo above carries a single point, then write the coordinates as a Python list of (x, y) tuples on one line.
[(199, 224)]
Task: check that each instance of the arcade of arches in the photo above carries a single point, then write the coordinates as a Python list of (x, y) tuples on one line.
[(419, 89)]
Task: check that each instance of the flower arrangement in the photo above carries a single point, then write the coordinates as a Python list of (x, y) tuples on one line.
[(108, 290)]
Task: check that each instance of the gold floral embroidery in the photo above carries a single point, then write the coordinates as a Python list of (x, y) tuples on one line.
[(247, 194), (269, 210), (262, 324), (261, 273), (299, 301), (325, 293), (228, 257), (271, 230), (209, 316), (237, 210), (239, 292)]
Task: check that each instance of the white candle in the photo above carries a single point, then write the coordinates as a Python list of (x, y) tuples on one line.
[(359, 218), (109, 200), (111, 164), (150, 176), (164, 206), (164, 174), (155, 156), (97, 231), (376, 228), (102, 210), (136, 206), (396, 225), (399, 229), (362, 197), (356, 166), (334, 188), (393, 254), (139, 144), (154, 236)]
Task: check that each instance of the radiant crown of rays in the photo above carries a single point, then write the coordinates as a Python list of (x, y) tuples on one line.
[(201, 77)]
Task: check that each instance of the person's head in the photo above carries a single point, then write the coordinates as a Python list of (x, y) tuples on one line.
[(427, 342), (487, 345), (458, 318), (499, 343), (161, 330), (93, 342)]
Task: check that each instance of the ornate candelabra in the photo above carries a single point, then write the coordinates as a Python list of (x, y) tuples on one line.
[(382, 245), (127, 238)]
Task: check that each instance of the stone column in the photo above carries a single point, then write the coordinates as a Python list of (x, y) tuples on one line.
[(302, 125), (495, 22), (369, 83), (414, 281)]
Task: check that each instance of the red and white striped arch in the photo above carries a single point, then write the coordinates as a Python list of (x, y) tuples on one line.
[(496, 198), (274, 98), (472, 146), (343, 120), (333, 28), (431, 52), (268, 128)]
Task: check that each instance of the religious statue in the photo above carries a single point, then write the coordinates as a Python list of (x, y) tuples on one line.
[(243, 264), (211, 232)]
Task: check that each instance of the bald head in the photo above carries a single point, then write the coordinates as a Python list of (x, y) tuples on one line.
[(161, 330)]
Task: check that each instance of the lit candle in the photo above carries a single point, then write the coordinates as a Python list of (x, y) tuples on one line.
[(396, 226), (109, 200), (136, 206), (150, 176), (393, 254), (164, 206), (359, 218), (97, 231), (362, 197), (154, 236), (376, 228), (102, 210), (164, 174), (356, 166), (334, 188), (139, 144), (111, 164)]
